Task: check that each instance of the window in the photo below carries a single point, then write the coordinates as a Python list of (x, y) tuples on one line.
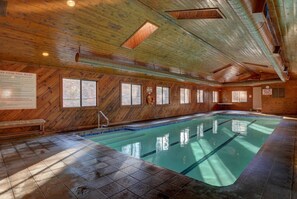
[(184, 96), (278, 92), (131, 94), (199, 96), (162, 95), (215, 96), (79, 93), (239, 96)]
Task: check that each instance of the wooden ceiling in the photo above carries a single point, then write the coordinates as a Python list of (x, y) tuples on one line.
[(195, 47), (283, 13)]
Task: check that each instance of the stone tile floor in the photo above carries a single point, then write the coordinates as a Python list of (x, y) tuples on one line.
[(67, 166)]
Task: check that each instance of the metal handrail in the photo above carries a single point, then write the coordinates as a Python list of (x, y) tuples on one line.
[(99, 119)]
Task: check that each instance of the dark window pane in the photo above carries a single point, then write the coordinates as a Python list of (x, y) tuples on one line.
[(281, 92), (278, 92), (275, 92)]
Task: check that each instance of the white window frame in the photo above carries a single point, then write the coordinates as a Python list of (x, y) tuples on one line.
[(200, 96), (81, 91), (131, 95), (215, 96), (162, 102), (240, 95), (184, 91)]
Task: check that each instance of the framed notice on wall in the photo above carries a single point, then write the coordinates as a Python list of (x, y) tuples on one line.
[(17, 90), (267, 91)]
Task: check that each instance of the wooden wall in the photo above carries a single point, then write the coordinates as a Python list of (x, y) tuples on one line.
[(61, 119), (226, 96), (270, 105), (282, 106)]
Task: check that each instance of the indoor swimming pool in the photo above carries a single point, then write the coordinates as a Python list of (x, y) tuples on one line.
[(214, 150)]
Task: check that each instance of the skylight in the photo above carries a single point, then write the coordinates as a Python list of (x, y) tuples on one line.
[(140, 35), (208, 13)]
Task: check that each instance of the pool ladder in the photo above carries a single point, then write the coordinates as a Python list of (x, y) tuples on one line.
[(100, 113)]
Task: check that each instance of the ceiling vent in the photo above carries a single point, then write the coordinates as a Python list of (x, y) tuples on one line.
[(207, 13), (3, 8), (140, 35)]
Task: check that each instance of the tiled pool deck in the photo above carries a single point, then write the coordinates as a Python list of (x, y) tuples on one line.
[(68, 166)]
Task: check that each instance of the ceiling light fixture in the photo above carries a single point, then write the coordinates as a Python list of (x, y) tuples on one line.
[(71, 3), (45, 54)]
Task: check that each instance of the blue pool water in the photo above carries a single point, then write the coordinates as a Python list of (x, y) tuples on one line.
[(214, 150)]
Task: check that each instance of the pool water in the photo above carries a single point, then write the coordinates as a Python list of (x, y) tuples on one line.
[(214, 150)]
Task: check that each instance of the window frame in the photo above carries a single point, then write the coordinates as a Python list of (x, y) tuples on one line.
[(239, 98), (81, 80), (200, 91), (217, 97), (184, 95), (141, 94), (162, 95)]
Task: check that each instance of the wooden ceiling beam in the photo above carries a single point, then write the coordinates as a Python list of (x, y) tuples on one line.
[(254, 64), (249, 77), (222, 68)]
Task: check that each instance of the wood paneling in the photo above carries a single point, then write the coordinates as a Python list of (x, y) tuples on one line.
[(61, 119), (100, 27), (233, 40), (226, 96), (283, 106), (270, 105), (283, 15)]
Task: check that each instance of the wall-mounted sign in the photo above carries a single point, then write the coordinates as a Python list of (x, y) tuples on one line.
[(149, 90), (17, 90), (267, 91)]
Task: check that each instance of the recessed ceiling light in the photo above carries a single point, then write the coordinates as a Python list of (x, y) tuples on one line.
[(45, 54), (71, 3)]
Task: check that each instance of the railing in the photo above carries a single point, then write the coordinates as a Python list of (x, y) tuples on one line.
[(99, 120)]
